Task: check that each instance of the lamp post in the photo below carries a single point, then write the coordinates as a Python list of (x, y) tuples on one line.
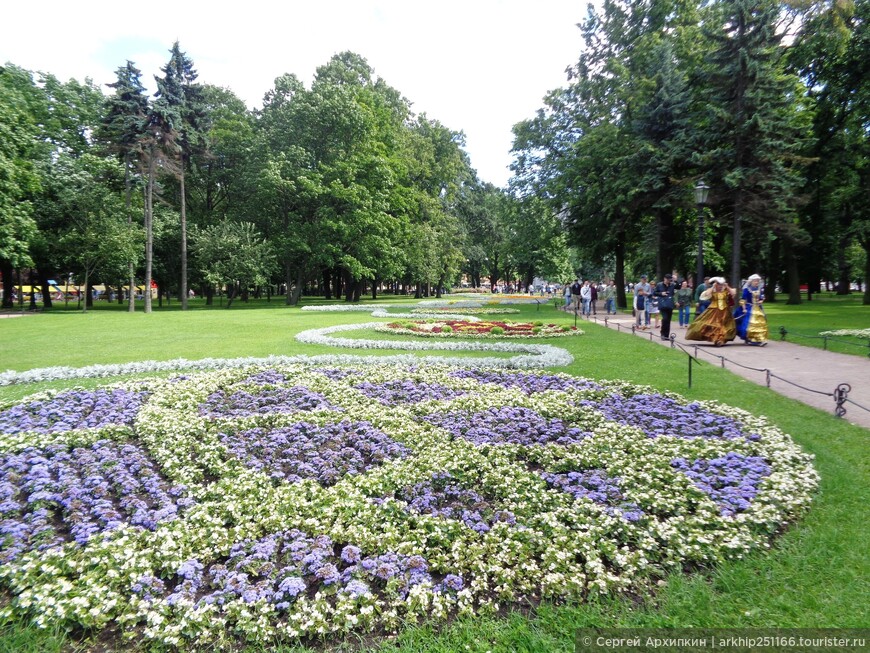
[(701, 192)]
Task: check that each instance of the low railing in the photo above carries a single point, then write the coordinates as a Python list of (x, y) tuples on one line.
[(840, 394)]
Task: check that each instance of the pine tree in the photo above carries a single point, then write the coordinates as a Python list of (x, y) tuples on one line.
[(756, 127), (183, 100), (123, 130)]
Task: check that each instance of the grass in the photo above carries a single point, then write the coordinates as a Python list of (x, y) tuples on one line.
[(816, 575), (826, 312)]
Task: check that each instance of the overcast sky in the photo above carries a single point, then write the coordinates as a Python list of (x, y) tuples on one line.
[(479, 66)]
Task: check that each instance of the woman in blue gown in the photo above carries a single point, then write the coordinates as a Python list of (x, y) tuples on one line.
[(749, 313)]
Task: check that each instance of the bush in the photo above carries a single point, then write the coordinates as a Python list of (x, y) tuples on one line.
[(536, 330), (538, 323), (447, 329), (496, 330)]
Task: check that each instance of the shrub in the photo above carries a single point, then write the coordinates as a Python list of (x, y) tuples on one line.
[(496, 330), (446, 329)]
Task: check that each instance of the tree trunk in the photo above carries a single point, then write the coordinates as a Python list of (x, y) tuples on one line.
[(794, 282), (231, 294), (8, 284), (375, 289), (209, 295), (131, 266), (297, 290), (149, 232), (327, 286), (865, 243), (619, 254), (735, 243), (46, 290), (773, 272), (183, 290), (88, 291)]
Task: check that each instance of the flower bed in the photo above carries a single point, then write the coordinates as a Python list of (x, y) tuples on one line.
[(467, 311), (479, 329), (856, 333), (291, 501)]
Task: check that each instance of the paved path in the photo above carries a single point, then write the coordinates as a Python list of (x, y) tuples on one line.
[(815, 369)]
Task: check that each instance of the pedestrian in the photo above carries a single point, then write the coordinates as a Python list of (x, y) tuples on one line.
[(700, 304), (610, 298), (567, 294), (586, 296), (716, 323), (593, 287), (749, 313), (652, 309), (684, 304), (664, 293), (639, 305), (647, 289), (576, 287)]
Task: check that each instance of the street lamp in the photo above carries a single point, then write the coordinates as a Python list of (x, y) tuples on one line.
[(701, 192)]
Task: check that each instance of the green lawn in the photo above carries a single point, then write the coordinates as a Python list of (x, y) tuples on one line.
[(826, 312), (816, 575)]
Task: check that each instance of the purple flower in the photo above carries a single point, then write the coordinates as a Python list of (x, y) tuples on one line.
[(75, 409), (323, 453), (242, 403), (393, 393), (529, 383), (597, 486), (508, 425), (659, 416), (731, 480)]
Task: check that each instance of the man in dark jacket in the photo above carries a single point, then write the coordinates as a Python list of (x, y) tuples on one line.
[(665, 293)]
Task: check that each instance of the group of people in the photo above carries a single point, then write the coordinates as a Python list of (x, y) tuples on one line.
[(719, 315), (583, 297), (726, 317)]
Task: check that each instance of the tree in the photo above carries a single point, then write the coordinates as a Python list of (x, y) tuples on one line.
[(182, 100), (234, 254), (97, 235), (122, 131), (18, 179), (756, 126)]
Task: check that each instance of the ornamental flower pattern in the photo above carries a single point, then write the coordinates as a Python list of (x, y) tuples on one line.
[(323, 453), (283, 567), (392, 393), (242, 403), (658, 415), (432, 491), (58, 494), (732, 480), (479, 329), (444, 496), (597, 486), (508, 425), (76, 409), (528, 383)]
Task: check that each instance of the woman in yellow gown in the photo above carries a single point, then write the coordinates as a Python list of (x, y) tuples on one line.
[(716, 324), (749, 314)]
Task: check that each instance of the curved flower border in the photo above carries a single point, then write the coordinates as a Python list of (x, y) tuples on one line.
[(544, 333), (533, 356)]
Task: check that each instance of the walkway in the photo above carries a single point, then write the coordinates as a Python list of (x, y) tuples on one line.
[(814, 369)]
